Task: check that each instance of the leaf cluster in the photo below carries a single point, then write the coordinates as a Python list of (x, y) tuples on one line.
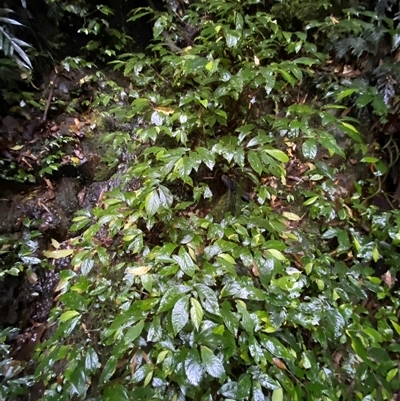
[(273, 299)]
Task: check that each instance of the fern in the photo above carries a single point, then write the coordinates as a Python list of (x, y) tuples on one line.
[(9, 44)]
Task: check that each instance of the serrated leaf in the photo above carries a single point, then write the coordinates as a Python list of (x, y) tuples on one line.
[(152, 203), (58, 254), (193, 368), (211, 363), (196, 313), (278, 155), (180, 315)]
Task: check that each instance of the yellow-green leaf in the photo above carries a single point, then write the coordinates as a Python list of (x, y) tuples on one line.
[(59, 254)]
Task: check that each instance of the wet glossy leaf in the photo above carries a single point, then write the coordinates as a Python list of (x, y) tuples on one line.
[(79, 380), (310, 149), (208, 298), (141, 373), (196, 313), (170, 297), (207, 157), (193, 367), (180, 315), (232, 38), (244, 387), (134, 332), (165, 196), (278, 155), (91, 360), (109, 369), (211, 363), (185, 262), (152, 203), (255, 161), (230, 320), (68, 315)]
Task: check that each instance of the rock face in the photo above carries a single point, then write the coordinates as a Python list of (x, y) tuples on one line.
[(51, 208)]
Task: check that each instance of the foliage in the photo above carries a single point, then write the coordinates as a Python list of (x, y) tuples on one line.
[(178, 305), (50, 157), (276, 299), (9, 44)]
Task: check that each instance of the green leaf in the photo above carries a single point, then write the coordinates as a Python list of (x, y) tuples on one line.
[(232, 38), (185, 262), (193, 368), (255, 161), (165, 196), (244, 387), (230, 320), (277, 395), (207, 157), (310, 149), (170, 297), (278, 155), (152, 203), (211, 363), (306, 61), (247, 321), (180, 314), (91, 360), (109, 369), (134, 332), (208, 299), (196, 313), (345, 93), (79, 380), (141, 373), (68, 315)]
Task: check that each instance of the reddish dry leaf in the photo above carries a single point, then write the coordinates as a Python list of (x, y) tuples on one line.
[(334, 20), (79, 153), (337, 357), (48, 182), (81, 197), (387, 278), (279, 363), (26, 162), (255, 270), (65, 160)]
